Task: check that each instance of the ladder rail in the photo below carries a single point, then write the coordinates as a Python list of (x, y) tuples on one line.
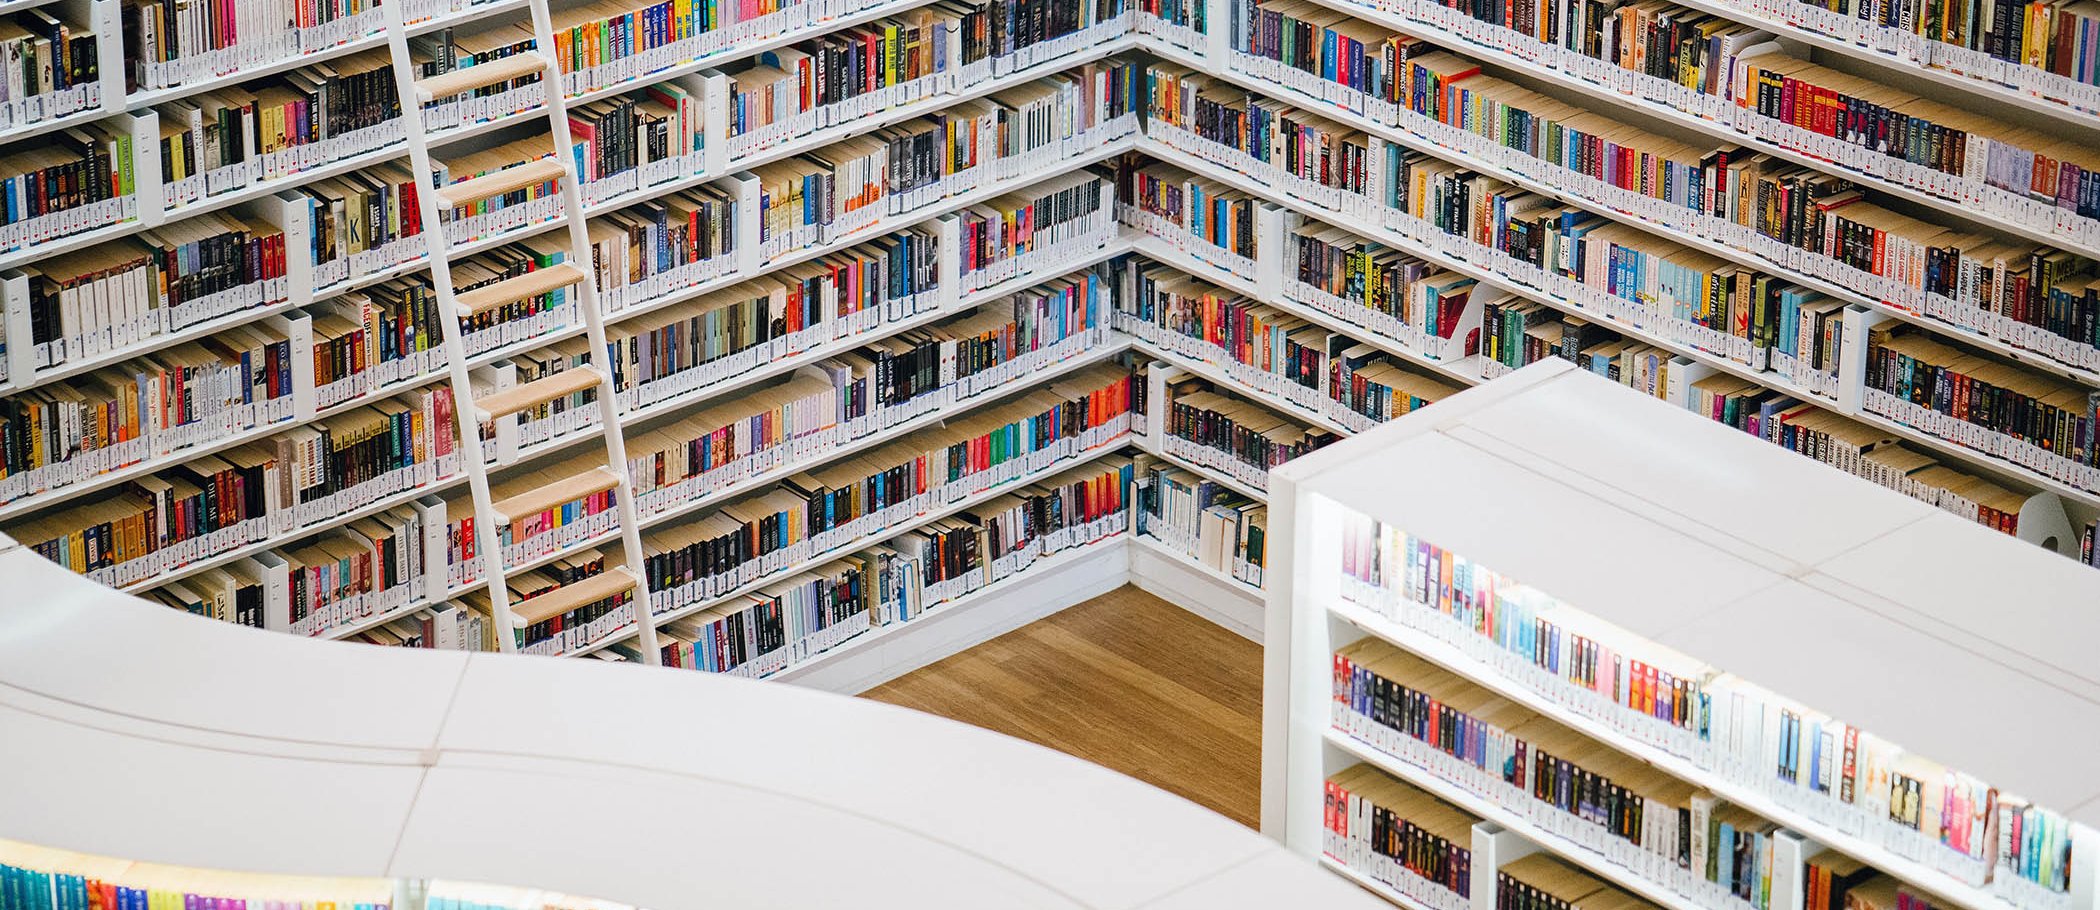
[(557, 108), (469, 447)]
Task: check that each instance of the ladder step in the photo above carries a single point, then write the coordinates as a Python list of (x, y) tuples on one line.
[(568, 597), (537, 392), (567, 489), (518, 287), (482, 75), (496, 183)]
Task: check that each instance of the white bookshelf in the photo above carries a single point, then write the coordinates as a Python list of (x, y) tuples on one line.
[(1841, 597)]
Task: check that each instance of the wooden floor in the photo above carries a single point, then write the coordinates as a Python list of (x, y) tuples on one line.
[(1125, 680)]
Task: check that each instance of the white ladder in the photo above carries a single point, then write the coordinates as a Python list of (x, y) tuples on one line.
[(574, 271)]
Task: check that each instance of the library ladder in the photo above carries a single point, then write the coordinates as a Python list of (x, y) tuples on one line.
[(573, 272)]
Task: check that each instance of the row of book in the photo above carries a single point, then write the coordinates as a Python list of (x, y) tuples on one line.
[(2042, 49), (831, 505), (1387, 291), (1274, 352), (243, 378), (1857, 449), (71, 183), (1217, 429), (1590, 798), (1043, 318), (705, 453), (783, 624), (1808, 762), (856, 72), (597, 50), (1708, 66), (826, 405), (1203, 520), (344, 575), (1393, 833), (1210, 223), (1810, 222), (1401, 837), (1541, 881), (1061, 219), (834, 506), (168, 44), (1576, 258), (666, 246), (2042, 424), (1518, 332), (365, 222), (122, 293), (422, 553), (221, 140), (694, 344), (642, 138), (1752, 202), (205, 507), (1834, 881), (50, 67), (819, 197), (1429, 309), (34, 877)]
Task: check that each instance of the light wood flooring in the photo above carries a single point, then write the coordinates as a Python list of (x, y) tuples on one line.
[(1125, 680)]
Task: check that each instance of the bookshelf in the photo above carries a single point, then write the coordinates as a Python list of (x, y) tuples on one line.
[(407, 775), (1476, 307), (1728, 585)]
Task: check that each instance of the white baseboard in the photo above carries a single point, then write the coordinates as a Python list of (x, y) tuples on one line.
[(1065, 580), (1197, 588)]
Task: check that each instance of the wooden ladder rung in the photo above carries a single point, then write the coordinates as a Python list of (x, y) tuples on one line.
[(517, 287), (480, 75), (571, 596), (537, 392), (567, 489), (496, 183)]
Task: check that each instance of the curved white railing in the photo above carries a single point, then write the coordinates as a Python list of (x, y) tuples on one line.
[(130, 730)]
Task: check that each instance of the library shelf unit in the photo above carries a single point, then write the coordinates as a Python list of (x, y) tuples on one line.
[(2057, 502), (1538, 554), (419, 747), (2051, 506), (1418, 133)]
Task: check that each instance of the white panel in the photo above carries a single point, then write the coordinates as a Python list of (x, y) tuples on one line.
[(662, 840), (1566, 541), (1904, 686), (1273, 881), (2042, 610), (1091, 829), (1694, 467), (180, 669), (138, 798)]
